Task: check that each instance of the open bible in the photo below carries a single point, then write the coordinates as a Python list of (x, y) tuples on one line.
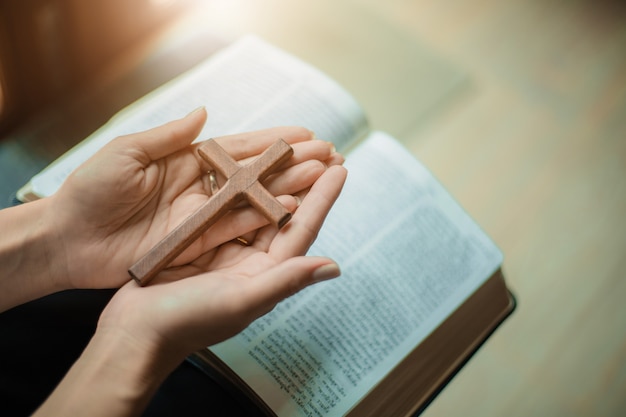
[(421, 284)]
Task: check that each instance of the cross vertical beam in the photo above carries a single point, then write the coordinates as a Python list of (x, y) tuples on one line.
[(242, 182)]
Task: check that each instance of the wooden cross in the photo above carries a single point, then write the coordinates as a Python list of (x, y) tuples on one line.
[(242, 182)]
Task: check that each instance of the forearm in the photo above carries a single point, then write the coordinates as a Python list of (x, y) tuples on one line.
[(115, 376), (29, 263)]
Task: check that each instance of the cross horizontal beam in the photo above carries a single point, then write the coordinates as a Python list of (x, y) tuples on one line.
[(243, 182)]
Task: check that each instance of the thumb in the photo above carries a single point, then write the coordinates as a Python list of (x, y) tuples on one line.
[(288, 278), (166, 139)]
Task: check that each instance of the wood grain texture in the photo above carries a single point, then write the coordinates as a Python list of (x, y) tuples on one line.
[(242, 182), (246, 179)]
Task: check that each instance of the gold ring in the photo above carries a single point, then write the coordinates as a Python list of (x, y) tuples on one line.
[(242, 241), (213, 182)]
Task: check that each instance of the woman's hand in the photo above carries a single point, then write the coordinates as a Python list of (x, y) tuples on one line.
[(145, 332), (232, 285), (135, 190)]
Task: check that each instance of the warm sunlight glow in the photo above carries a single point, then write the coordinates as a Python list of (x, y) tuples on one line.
[(227, 17), (162, 3)]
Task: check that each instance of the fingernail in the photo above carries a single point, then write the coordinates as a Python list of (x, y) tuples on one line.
[(332, 147), (325, 272), (298, 200), (195, 111)]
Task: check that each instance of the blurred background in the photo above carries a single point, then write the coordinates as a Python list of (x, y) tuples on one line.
[(519, 107)]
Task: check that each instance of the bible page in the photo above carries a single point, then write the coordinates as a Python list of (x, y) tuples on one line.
[(409, 256), (248, 85)]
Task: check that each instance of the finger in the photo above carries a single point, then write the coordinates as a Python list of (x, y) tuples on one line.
[(245, 145), (297, 236), (314, 149), (296, 178), (166, 139), (335, 159), (303, 151), (285, 279), (308, 219), (240, 222)]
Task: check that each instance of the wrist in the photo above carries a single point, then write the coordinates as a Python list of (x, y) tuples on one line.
[(32, 263), (115, 375)]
